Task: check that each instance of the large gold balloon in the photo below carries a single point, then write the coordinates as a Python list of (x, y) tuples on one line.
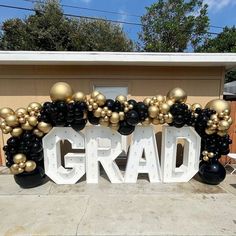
[(114, 117), (12, 120), (44, 127), (153, 111), (121, 98), (79, 97), (18, 158), (94, 94), (101, 99), (6, 111), (218, 105), (61, 91), (16, 132), (30, 166), (177, 95), (33, 120), (164, 108)]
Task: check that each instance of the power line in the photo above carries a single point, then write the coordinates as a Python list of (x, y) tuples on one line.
[(84, 17)]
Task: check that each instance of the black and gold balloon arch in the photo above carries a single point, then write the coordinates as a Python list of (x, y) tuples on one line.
[(27, 126)]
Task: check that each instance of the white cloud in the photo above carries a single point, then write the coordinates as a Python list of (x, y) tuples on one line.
[(217, 5)]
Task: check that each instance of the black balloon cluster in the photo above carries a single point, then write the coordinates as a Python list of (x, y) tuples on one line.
[(28, 144)]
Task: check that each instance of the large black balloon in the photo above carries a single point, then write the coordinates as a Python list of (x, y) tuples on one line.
[(92, 119), (79, 125), (109, 103), (125, 128), (211, 172), (117, 107), (132, 117)]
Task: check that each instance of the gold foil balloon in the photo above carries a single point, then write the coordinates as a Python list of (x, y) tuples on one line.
[(6, 111), (121, 98), (30, 166), (18, 158), (177, 95), (44, 127), (218, 105), (12, 120), (94, 94), (153, 111), (79, 97), (26, 126), (16, 132), (61, 91), (101, 99), (114, 117), (33, 120), (38, 133)]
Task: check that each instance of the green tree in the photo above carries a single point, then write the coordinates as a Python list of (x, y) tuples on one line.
[(174, 25), (48, 29)]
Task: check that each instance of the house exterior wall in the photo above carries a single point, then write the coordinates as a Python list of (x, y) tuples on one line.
[(20, 85)]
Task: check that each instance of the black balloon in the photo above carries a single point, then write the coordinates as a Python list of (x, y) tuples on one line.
[(211, 172), (125, 128), (109, 103), (79, 125), (132, 117), (92, 119)]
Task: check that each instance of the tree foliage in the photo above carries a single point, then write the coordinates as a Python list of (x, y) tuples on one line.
[(48, 29), (174, 25)]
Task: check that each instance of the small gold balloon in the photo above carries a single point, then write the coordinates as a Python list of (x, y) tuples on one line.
[(170, 102), (153, 111), (209, 131), (20, 170), (101, 99), (222, 133), (22, 165), (97, 112), (226, 112), (156, 121), (14, 169), (169, 119), (103, 122), (210, 154), (210, 122), (8, 129), (38, 133), (109, 113), (5, 112), (18, 158), (3, 124), (33, 120), (114, 117), (147, 121), (16, 132), (218, 105), (214, 117), (22, 120), (20, 112), (44, 127), (103, 113), (126, 109), (106, 118), (130, 106), (205, 158), (121, 98), (26, 126), (30, 166), (94, 94), (195, 106), (12, 120), (205, 153), (177, 95), (121, 115), (114, 126), (15, 166), (164, 108), (34, 106), (61, 91), (91, 101), (147, 101), (90, 107), (160, 98), (79, 97), (223, 125), (95, 105)]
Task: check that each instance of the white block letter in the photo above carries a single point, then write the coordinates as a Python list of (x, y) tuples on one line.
[(102, 145), (74, 162), (189, 168), (143, 140)]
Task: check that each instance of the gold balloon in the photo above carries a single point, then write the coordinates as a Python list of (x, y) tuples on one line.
[(106, 118), (230, 120), (61, 91), (126, 109), (209, 131), (170, 102), (94, 94), (177, 95), (97, 112), (30, 166), (218, 105), (169, 119), (6, 111), (14, 169), (210, 154), (109, 113), (205, 158), (195, 106), (103, 122), (160, 98), (101, 99), (147, 121), (33, 120), (79, 97), (164, 108), (205, 153), (147, 101), (22, 120), (153, 111), (18, 158), (21, 165), (44, 127), (95, 105), (16, 132), (26, 126), (223, 125), (222, 133), (121, 98), (34, 106), (156, 121), (20, 170), (114, 117), (114, 126), (38, 133), (20, 112), (12, 120), (121, 115), (8, 129)]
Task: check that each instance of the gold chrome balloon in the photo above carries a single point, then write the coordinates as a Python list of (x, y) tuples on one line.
[(16, 132), (33, 121), (101, 99), (79, 97), (121, 98), (177, 95), (153, 111), (38, 133), (44, 127), (6, 111), (12, 120), (18, 158), (26, 126), (218, 105), (21, 165), (30, 166), (61, 91), (20, 170), (8, 129), (114, 117)]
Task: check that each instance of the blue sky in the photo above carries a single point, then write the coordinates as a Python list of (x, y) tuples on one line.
[(221, 12)]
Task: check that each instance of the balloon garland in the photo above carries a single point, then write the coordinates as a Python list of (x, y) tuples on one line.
[(27, 126)]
